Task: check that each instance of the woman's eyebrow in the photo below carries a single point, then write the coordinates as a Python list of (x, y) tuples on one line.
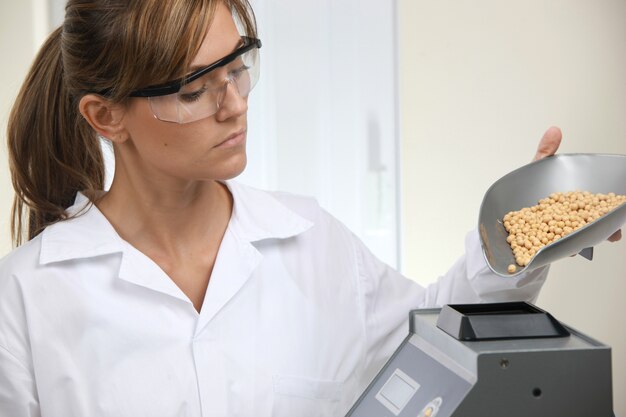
[(200, 66)]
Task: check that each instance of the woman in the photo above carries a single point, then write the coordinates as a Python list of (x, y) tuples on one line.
[(179, 292)]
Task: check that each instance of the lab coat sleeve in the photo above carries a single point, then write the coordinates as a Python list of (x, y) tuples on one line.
[(388, 296), (471, 281), (18, 396), (18, 393)]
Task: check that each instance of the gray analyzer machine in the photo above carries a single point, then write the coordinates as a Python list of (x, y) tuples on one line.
[(491, 360)]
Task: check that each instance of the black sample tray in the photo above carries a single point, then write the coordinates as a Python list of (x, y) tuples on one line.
[(498, 321)]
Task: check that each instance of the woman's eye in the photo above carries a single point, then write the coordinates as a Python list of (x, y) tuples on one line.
[(193, 96), (238, 71)]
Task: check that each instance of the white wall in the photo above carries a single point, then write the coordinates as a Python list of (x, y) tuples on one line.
[(18, 39), (322, 120), (480, 82)]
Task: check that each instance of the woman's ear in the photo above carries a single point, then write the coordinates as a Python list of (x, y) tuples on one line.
[(104, 117)]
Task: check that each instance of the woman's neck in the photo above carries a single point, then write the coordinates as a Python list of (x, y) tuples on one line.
[(168, 219)]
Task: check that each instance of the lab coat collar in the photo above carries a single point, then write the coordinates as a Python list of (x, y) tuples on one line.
[(86, 234), (257, 216)]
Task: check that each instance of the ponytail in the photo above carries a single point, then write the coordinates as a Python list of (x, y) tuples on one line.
[(53, 152)]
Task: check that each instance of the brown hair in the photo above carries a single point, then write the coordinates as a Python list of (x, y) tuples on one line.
[(103, 45)]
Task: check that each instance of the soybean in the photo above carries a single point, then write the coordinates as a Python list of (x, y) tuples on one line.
[(558, 215)]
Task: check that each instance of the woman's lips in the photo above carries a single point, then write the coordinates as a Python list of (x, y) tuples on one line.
[(233, 140)]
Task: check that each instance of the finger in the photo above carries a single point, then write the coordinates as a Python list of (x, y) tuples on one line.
[(549, 143), (615, 236)]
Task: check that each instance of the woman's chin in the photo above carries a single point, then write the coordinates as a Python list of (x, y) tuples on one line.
[(233, 168)]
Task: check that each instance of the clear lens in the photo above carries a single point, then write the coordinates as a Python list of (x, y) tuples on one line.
[(204, 96)]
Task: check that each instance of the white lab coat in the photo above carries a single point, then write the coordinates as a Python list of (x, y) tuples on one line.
[(297, 318)]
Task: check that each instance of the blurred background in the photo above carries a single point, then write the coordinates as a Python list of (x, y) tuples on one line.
[(398, 116)]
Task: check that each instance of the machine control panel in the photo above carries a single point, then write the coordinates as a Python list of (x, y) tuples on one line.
[(405, 388)]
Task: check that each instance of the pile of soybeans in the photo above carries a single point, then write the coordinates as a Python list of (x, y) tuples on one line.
[(556, 216)]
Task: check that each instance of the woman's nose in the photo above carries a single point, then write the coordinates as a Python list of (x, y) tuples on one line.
[(233, 104)]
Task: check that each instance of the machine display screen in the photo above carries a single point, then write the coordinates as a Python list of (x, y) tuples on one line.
[(397, 391)]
